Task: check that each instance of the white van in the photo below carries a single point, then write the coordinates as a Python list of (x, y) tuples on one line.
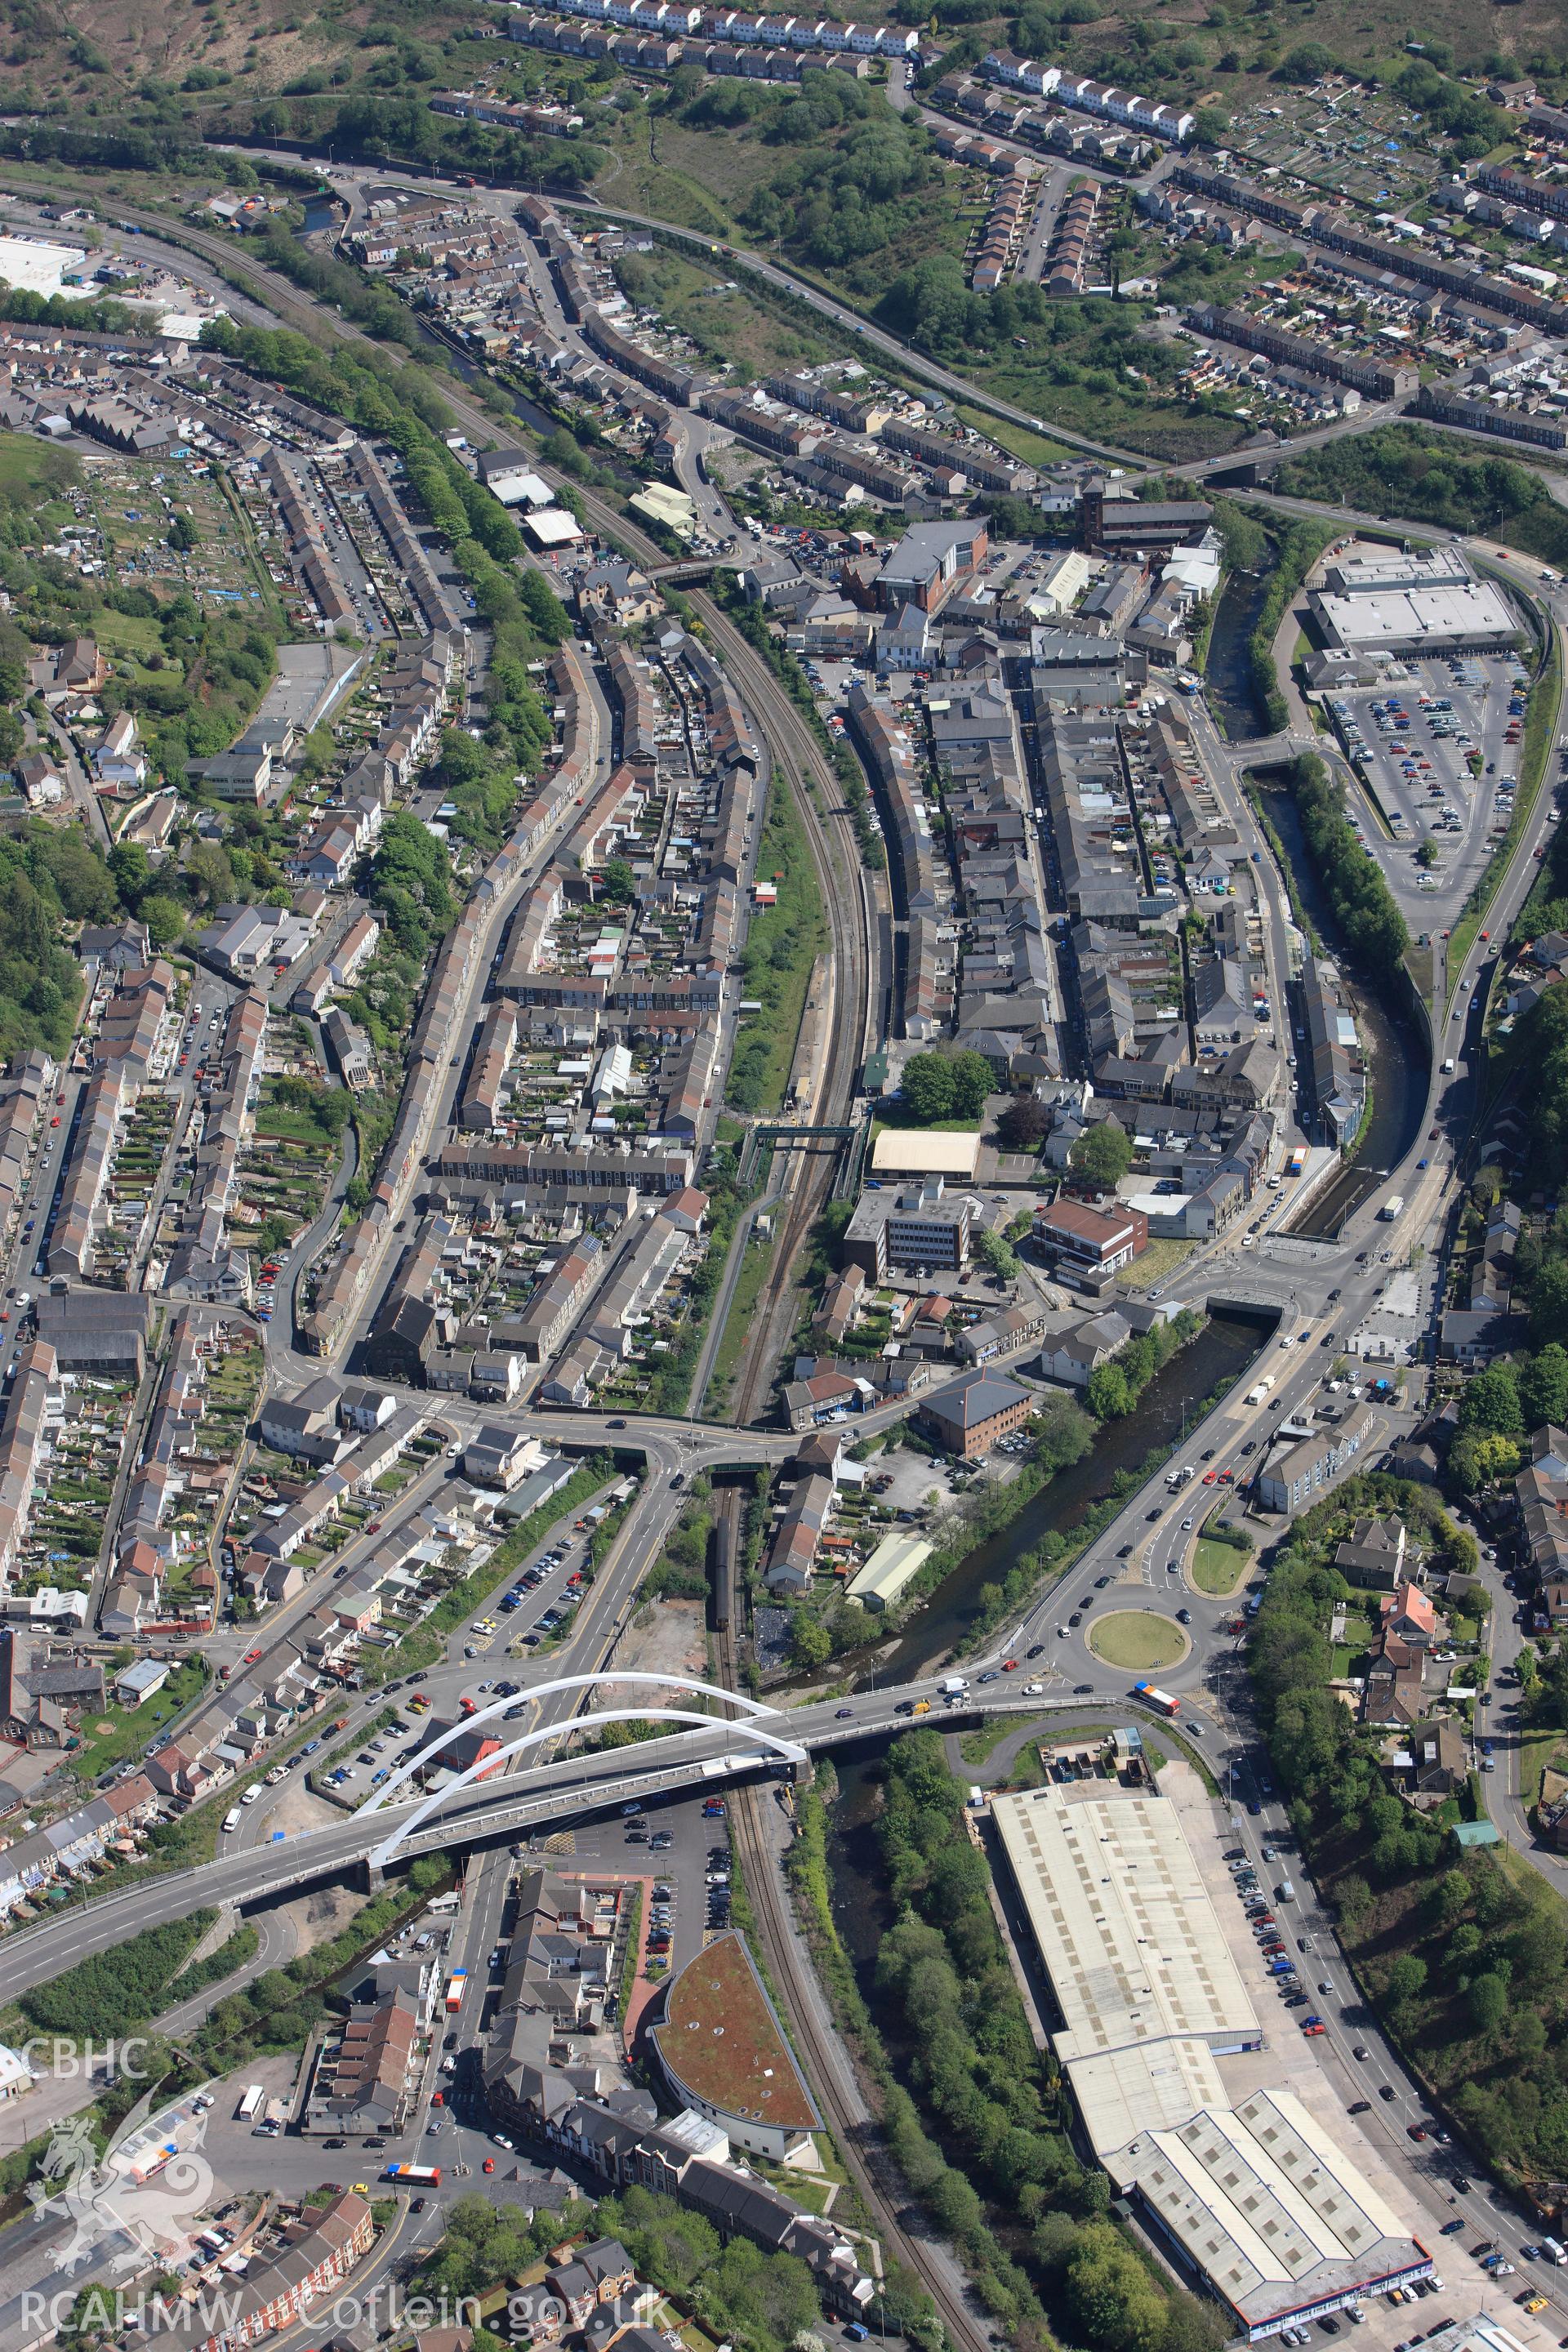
[(231, 1818)]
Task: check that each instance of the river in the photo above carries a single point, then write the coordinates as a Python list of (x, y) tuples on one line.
[(861, 1905), (1394, 1042), (1227, 669), (1215, 1359)]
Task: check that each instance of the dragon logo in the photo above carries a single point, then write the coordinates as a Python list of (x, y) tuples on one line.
[(129, 2194)]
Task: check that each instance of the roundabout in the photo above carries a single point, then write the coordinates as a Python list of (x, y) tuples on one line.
[(1139, 1639)]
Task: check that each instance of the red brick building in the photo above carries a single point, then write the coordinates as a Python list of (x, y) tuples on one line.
[(976, 1413), (1107, 1238)]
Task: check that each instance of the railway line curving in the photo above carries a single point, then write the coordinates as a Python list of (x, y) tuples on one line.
[(829, 2064)]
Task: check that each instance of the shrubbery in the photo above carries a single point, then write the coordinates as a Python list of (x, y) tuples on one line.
[(1427, 475), (1463, 1954), (1364, 908), (994, 2099)]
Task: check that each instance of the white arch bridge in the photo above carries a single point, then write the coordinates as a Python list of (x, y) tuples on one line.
[(507, 1807), (747, 1728)]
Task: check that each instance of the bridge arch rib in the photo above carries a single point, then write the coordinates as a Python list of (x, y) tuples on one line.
[(790, 1749), (687, 1684)]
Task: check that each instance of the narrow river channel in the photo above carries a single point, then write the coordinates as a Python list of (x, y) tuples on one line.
[(1215, 1359), (1396, 1044)]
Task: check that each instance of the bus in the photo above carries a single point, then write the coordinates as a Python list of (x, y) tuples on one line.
[(1151, 1696), (1297, 1162), (417, 2176), (248, 2104), (456, 1985)]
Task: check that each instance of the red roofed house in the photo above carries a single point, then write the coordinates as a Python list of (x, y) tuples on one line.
[(821, 1398), (467, 1747), (1408, 1614)]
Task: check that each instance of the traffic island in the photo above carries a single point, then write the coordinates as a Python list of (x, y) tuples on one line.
[(1139, 1639)]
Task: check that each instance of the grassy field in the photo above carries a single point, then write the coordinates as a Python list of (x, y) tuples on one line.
[(729, 326), (1139, 1640), (1219, 1567), (1032, 447), (1161, 1258), (131, 1729), (754, 1274), (32, 472), (781, 948)]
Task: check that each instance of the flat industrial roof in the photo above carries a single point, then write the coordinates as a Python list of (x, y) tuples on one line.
[(1418, 617), (1129, 2091), (1261, 2199), (36, 266), (1134, 1949), (918, 1151), (1417, 568), (552, 527)]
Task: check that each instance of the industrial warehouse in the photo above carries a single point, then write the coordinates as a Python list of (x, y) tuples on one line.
[(1428, 603), (1253, 2199)]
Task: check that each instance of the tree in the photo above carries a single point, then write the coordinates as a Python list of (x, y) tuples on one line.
[(164, 917), (1477, 1460), (130, 871), (182, 533), (1025, 1123), (1548, 1300), (1103, 1156), (617, 884), (973, 1083), (928, 1088), (1354, 1901), (1112, 2299), (1488, 2002), (1307, 61), (1108, 1395), (1406, 1977), (1544, 1387), (810, 1644), (1538, 1953), (1489, 1401), (998, 1254), (544, 609)]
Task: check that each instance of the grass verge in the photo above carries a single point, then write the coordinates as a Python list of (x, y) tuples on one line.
[(1219, 1567), (754, 1271), (780, 948), (1539, 733)]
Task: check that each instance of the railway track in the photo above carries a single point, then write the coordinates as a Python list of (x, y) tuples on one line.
[(827, 2062)]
